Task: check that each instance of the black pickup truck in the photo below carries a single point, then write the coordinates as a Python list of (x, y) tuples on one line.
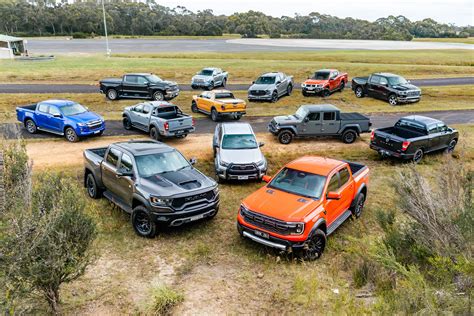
[(139, 86), (412, 137), (386, 86), (153, 182)]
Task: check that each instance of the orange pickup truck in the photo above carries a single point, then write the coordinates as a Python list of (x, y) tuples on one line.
[(305, 202)]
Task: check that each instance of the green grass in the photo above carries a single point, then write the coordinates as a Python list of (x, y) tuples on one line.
[(434, 99), (469, 40), (242, 67)]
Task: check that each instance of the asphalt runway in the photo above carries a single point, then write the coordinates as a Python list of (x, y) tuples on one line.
[(64, 46), (83, 88), (259, 124)]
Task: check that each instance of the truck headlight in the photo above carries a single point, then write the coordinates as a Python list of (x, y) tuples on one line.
[(261, 163), (215, 191), (158, 201), (303, 85), (403, 92), (298, 228), (267, 92), (224, 163)]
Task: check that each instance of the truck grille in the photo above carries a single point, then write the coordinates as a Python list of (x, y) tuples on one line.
[(242, 170), (94, 124), (413, 93), (197, 199), (258, 92), (267, 223)]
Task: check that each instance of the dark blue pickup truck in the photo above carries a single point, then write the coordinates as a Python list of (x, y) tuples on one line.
[(61, 117)]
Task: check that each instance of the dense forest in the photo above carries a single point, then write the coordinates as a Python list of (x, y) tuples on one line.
[(84, 19)]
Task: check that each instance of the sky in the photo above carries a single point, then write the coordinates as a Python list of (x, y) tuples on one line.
[(458, 12)]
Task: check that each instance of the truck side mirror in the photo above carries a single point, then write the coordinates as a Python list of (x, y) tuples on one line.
[(278, 82), (193, 161), (253, 82), (266, 178), (59, 115), (306, 119), (261, 144), (333, 196)]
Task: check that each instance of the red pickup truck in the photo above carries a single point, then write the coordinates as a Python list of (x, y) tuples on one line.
[(324, 82), (305, 202)]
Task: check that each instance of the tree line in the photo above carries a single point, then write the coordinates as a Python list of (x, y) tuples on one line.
[(84, 18)]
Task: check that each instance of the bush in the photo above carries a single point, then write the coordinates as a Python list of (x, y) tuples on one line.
[(81, 35), (163, 299)]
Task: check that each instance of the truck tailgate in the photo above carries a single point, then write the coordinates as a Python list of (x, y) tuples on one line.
[(176, 124), (386, 140)]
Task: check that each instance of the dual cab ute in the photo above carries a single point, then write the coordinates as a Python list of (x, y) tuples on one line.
[(412, 137), (386, 86), (139, 86), (305, 202), (61, 117), (158, 118), (270, 87), (209, 78), (324, 82), (319, 120), (218, 104), (153, 182)]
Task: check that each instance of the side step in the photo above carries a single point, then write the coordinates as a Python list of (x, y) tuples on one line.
[(112, 198), (338, 222)]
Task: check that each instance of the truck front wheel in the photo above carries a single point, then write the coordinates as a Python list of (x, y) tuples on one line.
[(112, 94), (392, 99), (349, 136), (285, 137), (142, 223), (158, 96), (71, 135), (314, 247), (359, 92)]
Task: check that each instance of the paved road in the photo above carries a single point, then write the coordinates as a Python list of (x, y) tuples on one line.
[(83, 88), (259, 124), (63, 46)]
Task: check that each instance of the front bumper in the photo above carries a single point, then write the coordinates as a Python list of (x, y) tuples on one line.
[(170, 94), (204, 84), (390, 153), (271, 241), (273, 129), (408, 99), (232, 172), (316, 90), (179, 132), (83, 131), (265, 97)]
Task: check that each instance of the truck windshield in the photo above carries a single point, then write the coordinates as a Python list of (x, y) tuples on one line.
[(265, 80), (395, 81), (149, 165), (241, 141), (205, 72), (299, 182), (224, 95), (321, 75), (301, 113), (153, 78), (73, 109)]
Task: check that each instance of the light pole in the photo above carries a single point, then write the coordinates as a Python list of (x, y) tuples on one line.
[(105, 29)]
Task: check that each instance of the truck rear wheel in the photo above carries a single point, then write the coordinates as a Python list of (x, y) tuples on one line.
[(349, 136), (214, 115), (285, 137), (314, 247), (359, 206), (418, 156), (30, 126), (92, 189), (112, 94), (154, 134), (359, 92), (142, 223)]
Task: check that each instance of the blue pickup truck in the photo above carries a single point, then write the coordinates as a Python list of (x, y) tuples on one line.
[(61, 117)]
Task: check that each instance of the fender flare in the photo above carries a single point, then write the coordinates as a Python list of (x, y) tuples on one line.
[(316, 225), (142, 200), (362, 187), (98, 181), (352, 126), (291, 128), (29, 116)]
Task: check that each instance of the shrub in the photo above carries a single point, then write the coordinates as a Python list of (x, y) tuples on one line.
[(163, 299)]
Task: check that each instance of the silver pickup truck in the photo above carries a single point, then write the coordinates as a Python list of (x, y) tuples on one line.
[(209, 78), (159, 118), (270, 87)]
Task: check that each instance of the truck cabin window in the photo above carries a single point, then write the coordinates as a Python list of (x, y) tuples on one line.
[(241, 141), (299, 182), (329, 116), (411, 125), (224, 95), (160, 163), (265, 80)]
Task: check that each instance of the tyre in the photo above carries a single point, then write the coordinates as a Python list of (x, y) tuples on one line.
[(237, 117), (342, 85), (359, 206), (142, 222), (30, 126), (224, 83), (305, 94), (214, 115), (92, 189), (285, 137), (71, 135), (289, 89), (126, 123), (112, 94), (158, 96), (359, 92), (451, 146), (211, 86), (349, 136), (392, 99), (325, 93), (154, 134), (274, 97), (418, 156), (314, 247), (194, 107)]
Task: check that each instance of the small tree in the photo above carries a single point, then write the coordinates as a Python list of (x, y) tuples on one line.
[(49, 243)]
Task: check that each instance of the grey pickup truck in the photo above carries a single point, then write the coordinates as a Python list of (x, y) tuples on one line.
[(209, 78), (151, 181), (319, 120), (158, 118)]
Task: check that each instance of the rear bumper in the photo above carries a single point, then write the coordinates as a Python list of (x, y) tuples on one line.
[(271, 241), (231, 113), (390, 153), (179, 132)]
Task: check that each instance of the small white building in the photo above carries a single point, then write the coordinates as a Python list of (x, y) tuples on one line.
[(11, 46)]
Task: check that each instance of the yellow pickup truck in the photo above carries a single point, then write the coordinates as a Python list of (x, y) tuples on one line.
[(218, 103)]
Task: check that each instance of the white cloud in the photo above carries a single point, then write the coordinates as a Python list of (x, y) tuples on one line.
[(459, 12)]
